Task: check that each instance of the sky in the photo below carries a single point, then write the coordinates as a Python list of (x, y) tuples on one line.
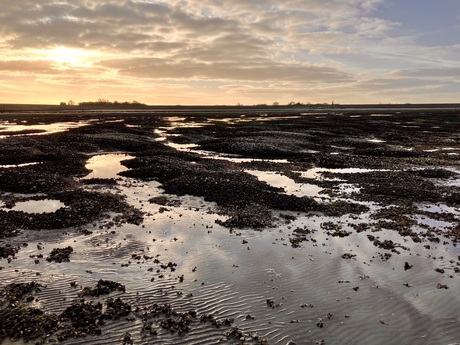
[(214, 52)]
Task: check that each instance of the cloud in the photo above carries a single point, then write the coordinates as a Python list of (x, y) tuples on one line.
[(24, 66), (293, 47), (373, 27), (452, 73), (130, 25), (251, 71)]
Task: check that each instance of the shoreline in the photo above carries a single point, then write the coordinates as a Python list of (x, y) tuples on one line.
[(250, 108)]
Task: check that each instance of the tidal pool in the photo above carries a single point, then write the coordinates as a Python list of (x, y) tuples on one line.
[(193, 148), (12, 128), (106, 165), (289, 185), (18, 165), (316, 173), (38, 206)]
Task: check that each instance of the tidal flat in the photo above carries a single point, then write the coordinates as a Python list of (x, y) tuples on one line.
[(237, 226)]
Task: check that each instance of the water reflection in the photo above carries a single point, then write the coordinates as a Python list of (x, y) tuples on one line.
[(443, 149), (106, 165), (232, 274), (289, 185), (316, 173), (38, 206), (439, 208), (15, 129), (163, 137), (378, 141), (18, 165)]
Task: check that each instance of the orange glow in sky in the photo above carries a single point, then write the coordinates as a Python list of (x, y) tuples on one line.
[(248, 52), (67, 57)]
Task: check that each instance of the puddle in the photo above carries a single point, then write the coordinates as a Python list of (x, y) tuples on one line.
[(45, 128), (375, 141), (454, 181), (191, 148), (234, 158), (440, 208), (289, 185), (316, 173), (18, 165), (38, 206), (182, 147), (106, 165), (442, 149), (347, 188), (433, 223), (344, 148), (309, 151)]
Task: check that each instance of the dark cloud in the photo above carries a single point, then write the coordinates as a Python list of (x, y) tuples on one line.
[(252, 71), (32, 66)]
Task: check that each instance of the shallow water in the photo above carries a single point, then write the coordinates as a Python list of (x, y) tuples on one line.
[(106, 165), (46, 128), (232, 279), (289, 185), (18, 165), (163, 137), (316, 173), (38, 206), (377, 141), (440, 208)]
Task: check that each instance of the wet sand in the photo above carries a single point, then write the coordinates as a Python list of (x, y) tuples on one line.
[(227, 227)]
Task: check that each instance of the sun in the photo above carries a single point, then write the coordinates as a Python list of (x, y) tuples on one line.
[(65, 55), (68, 57)]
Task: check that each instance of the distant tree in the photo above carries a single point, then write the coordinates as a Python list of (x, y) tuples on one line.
[(63, 104), (101, 102), (276, 104), (70, 102)]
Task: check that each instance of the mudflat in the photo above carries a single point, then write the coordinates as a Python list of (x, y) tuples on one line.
[(233, 226)]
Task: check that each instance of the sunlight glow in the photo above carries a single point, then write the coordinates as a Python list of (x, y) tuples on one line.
[(68, 57)]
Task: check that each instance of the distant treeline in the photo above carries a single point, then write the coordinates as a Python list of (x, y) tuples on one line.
[(104, 103)]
